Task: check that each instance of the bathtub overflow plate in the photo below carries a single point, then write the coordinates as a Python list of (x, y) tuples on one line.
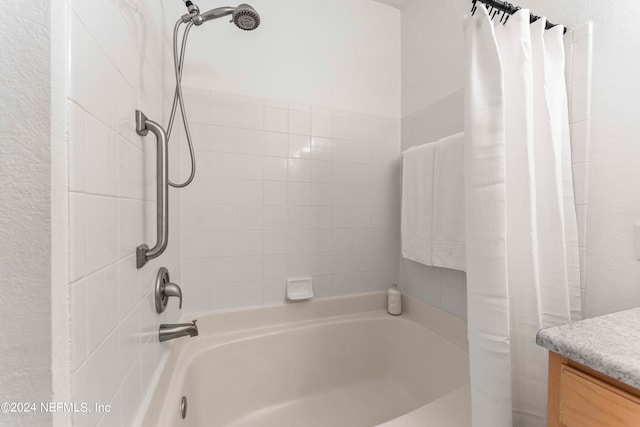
[(183, 407)]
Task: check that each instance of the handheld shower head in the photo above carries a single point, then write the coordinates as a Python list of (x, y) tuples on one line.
[(244, 16)]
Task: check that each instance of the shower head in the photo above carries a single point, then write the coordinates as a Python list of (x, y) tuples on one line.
[(244, 16)]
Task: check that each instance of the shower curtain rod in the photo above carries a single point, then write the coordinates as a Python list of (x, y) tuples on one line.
[(505, 7)]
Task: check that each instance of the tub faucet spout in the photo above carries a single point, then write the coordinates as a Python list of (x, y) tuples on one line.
[(171, 331)]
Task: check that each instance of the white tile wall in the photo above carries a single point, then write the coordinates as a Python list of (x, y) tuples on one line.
[(445, 288), (578, 51), (440, 287), (291, 190), (116, 66)]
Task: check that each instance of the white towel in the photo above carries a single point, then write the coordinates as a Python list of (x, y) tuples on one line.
[(433, 200), (417, 203), (448, 204)]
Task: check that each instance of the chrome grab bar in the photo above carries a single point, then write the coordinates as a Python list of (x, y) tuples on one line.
[(143, 253)]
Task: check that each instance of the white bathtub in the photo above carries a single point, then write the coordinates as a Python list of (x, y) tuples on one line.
[(333, 362)]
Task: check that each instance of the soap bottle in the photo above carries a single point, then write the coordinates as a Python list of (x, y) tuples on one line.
[(394, 300)]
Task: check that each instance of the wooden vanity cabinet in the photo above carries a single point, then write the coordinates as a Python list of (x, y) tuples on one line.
[(582, 397)]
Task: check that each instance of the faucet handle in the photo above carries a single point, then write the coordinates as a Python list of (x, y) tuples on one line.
[(173, 290), (165, 289)]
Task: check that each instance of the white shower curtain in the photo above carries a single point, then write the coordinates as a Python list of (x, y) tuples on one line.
[(521, 232)]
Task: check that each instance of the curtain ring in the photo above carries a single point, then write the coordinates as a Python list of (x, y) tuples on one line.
[(515, 9), (487, 5), (496, 11)]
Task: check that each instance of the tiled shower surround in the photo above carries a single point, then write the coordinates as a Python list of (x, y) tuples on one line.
[(286, 191), (114, 345), (441, 287)]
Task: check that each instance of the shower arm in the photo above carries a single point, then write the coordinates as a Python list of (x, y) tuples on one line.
[(216, 13), (143, 253), (194, 16)]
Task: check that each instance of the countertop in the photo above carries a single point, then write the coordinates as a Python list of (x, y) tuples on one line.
[(609, 344)]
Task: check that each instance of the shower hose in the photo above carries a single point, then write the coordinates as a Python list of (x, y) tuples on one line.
[(178, 62)]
